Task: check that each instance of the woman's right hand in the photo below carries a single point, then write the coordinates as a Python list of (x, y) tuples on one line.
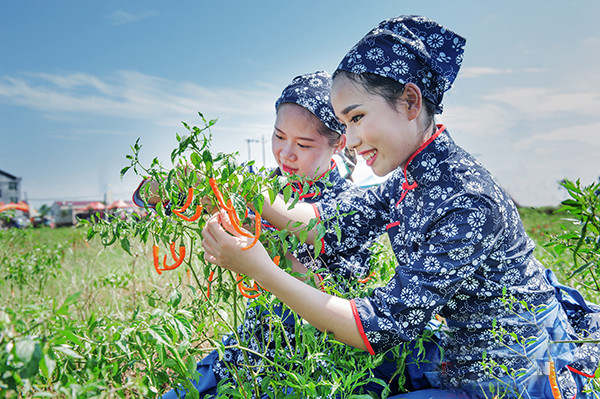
[(224, 247)]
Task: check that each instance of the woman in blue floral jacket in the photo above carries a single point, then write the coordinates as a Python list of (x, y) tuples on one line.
[(461, 247)]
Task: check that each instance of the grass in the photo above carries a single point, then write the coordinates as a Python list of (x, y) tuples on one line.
[(112, 325)]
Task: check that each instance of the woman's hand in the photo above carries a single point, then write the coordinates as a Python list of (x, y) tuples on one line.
[(225, 249)]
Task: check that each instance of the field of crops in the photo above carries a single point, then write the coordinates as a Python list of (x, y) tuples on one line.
[(82, 320), (125, 308)]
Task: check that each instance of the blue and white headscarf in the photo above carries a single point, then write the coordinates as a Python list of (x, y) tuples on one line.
[(312, 91), (410, 49)]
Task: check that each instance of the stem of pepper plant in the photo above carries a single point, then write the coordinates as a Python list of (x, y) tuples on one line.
[(189, 264), (595, 279)]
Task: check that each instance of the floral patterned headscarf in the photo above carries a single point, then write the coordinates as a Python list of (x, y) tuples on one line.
[(411, 49), (312, 91)]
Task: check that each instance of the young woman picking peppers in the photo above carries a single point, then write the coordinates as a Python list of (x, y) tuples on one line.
[(305, 137)]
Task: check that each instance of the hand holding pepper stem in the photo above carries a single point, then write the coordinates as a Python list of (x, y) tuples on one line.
[(224, 247)]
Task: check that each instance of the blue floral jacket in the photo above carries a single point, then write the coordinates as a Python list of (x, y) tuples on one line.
[(462, 253)]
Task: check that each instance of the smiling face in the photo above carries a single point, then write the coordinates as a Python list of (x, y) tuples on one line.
[(297, 145), (384, 135)]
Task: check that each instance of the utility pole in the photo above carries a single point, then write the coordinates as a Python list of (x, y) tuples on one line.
[(249, 152), (263, 151)]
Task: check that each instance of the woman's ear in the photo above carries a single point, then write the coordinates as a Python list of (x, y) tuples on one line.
[(341, 144), (413, 99)]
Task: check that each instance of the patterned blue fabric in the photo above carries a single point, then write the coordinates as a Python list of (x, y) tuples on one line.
[(410, 49), (459, 242), (311, 91)]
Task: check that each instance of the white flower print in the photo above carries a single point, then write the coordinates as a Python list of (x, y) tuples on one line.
[(462, 202), (449, 230), (400, 67), (358, 69), (384, 324), (461, 253), (415, 221), (373, 336), (471, 284), (416, 316), (315, 82), (476, 219), (436, 40), (435, 192), (511, 277), (475, 186), (432, 175), (375, 54), (431, 264), (410, 296), (442, 282), (402, 51)]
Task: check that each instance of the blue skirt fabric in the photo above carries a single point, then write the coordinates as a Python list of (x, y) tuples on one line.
[(575, 363), (206, 384)]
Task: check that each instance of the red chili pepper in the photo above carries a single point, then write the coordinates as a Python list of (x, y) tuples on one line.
[(195, 216), (242, 288), (178, 261), (210, 278), (235, 221), (188, 201), (155, 250), (364, 280), (258, 224), (215, 188)]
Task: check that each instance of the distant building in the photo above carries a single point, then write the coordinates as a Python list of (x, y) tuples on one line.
[(65, 213), (10, 188)]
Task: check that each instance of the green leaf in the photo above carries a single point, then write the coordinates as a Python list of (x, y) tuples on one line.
[(64, 308), (258, 202), (287, 193), (175, 298), (302, 235), (125, 245), (124, 170), (30, 353), (68, 351), (581, 269)]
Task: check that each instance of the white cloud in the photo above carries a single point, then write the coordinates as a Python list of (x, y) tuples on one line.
[(129, 94)]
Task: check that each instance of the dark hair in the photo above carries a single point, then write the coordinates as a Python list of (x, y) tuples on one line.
[(388, 89)]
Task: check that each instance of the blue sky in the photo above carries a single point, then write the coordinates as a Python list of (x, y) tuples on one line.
[(80, 81)]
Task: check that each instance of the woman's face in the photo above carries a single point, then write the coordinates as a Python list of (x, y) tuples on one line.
[(296, 143), (384, 136)]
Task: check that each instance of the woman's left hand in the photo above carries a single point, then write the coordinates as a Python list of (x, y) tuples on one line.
[(225, 249)]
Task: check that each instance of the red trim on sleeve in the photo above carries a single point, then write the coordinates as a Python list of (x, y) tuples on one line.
[(580, 372), (316, 210), (389, 226), (361, 330), (314, 205)]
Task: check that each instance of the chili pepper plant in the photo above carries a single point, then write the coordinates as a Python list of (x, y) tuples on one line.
[(197, 183)]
